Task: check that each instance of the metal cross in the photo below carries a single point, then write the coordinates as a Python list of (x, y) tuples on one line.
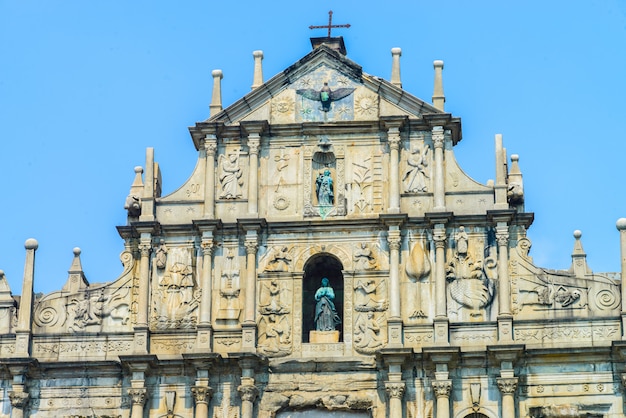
[(330, 24)]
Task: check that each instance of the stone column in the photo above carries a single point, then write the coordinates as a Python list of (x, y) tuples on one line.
[(207, 278), (254, 139), (439, 193), (248, 393), (395, 392), (442, 390), (210, 147), (439, 236), (621, 227), (19, 401), (504, 282), (202, 397), (145, 247), (394, 170), (507, 387), (249, 323), (24, 318), (395, 320), (138, 397)]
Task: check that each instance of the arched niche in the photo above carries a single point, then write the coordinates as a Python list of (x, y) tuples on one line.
[(315, 269), (322, 413), (476, 415)]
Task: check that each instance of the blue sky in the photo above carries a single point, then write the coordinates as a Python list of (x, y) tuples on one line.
[(86, 86)]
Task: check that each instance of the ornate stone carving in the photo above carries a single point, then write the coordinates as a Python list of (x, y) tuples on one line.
[(202, 394), (229, 307), (367, 333), (364, 258), (438, 137), (248, 393), (442, 388), (417, 172), (231, 175), (395, 389), (19, 399), (370, 295), (274, 335), (362, 186), (138, 396), (507, 386), (273, 299), (160, 256), (279, 259)]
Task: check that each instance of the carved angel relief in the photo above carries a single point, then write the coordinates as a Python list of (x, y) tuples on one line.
[(369, 335), (230, 175)]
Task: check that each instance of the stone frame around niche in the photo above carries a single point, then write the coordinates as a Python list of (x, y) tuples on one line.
[(311, 209)]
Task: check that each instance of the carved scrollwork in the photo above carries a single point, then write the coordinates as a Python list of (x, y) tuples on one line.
[(138, 396), (201, 394)]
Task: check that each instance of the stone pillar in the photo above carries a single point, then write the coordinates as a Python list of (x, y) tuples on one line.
[(621, 227), (257, 79), (442, 390), (500, 188), (439, 193), (201, 396), (395, 392), (507, 387), (216, 99), (394, 170), (248, 394), (504, 282), (19, 401), (249, 323), (438, 97), (254, 139), (25, 313), (143, 296), (210, 147), (396, 53), (147, 198), (138, 397), (395, 320), (207, 278), (439, 236)]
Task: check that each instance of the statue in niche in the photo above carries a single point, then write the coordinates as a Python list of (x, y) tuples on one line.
[(280, 261), (271, 299), (367, 337), (325, 189), (469, 284), (274, 335), (370, 296), (364, 258), (230, 176), (161, 255), (415, 177), (461, 242), (326, 318)]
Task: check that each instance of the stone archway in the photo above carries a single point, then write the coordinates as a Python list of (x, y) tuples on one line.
[(476, 415), (322, 413), (318, 266)]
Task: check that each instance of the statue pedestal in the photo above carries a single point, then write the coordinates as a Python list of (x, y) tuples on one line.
[(319, 337)]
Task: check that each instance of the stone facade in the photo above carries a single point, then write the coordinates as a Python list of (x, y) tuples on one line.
[(432, 305)]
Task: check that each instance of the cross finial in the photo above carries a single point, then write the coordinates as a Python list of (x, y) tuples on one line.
[(330, 24)]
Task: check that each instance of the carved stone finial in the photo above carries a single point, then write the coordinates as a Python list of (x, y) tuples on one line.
[(257, 80), (216, 98), (396, 53)]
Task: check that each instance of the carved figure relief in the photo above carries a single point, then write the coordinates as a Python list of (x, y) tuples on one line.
[(273, 299), (418, 171), (133, 205), (543, 293), (176, 299), (325, 189), (364, 258), (279, 259), (86, 310), (370, 296), (229, 307), (160, 257), (469, 284), (230, 175), (367, 333), (274, 335)]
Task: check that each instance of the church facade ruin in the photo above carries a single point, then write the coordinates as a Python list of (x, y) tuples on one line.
[(326, 257)]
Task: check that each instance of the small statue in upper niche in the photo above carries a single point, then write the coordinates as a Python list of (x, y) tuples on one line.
[(416, 175), (461, 242), (326, 318), (230, 176), (325, 189), (161, 255)]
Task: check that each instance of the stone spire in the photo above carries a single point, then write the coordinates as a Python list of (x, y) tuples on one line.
[(395, 67), (257, 80), (216, 98), (76, 276), (579, 258), (438, 97)]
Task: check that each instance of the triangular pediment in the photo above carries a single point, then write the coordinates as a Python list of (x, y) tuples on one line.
[(323, 86)]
